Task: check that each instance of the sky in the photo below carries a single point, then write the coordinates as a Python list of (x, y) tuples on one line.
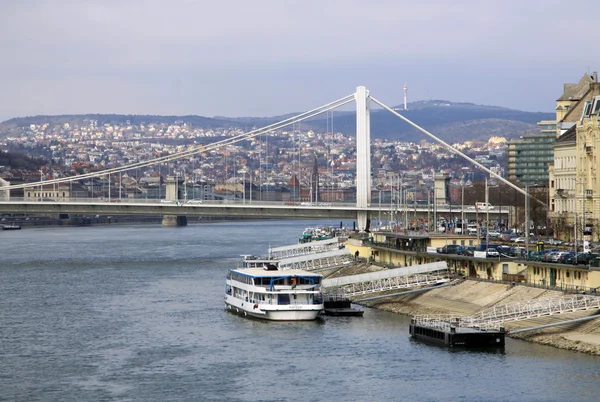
[(270, 57)]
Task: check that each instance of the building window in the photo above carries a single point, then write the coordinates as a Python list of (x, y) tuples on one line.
[(596, 106)]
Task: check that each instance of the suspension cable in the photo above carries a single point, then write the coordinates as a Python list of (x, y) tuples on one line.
[(456, 151)]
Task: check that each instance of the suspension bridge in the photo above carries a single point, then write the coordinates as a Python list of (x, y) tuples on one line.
[(363, 210)]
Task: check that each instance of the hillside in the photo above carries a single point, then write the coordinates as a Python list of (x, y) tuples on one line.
[(454, 122), (451, 121)]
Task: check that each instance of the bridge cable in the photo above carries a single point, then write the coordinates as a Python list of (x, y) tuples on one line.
[(241, 137), (456, 151)]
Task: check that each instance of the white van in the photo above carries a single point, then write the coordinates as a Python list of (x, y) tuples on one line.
[(482, 206), (472, 229)]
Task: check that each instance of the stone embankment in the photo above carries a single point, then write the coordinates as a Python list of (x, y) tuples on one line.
[(468, 297)]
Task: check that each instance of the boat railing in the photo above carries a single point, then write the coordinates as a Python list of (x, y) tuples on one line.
[(296, 287)]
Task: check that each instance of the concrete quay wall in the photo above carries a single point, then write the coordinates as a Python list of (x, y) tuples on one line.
[(469, 297)]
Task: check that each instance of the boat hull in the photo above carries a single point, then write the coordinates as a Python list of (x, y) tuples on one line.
[(286, 312)]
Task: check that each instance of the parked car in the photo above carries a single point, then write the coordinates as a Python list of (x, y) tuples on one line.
[(549, 256), (481, 207), (557, 256), (535, 255), (492, 252), (518, 251), (505, 250), (565, 257), (519, 240), (469, 251), (452, 249), (583, 258)]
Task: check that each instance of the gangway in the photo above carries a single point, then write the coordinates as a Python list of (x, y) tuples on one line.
[(310, 262), (397, 278), (295, 250), (494, 317)]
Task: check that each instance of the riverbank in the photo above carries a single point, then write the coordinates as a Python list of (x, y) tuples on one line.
[(469, 297)]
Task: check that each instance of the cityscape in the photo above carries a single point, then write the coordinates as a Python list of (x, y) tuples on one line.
[(181, 220)]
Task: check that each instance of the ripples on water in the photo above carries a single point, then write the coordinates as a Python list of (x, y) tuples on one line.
[(136, 313)]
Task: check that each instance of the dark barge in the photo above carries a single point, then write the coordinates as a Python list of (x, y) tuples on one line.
[(341, 308), (448, 334)]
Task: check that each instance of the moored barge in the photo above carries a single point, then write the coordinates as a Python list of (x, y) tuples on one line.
[(448, 333)]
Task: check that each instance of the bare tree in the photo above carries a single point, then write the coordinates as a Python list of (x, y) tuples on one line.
[(559, 225)]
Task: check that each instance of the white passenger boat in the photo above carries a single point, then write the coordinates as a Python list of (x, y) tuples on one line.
[(270, 294)]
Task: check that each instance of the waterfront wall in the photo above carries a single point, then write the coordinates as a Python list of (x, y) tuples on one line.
[(469, 297)]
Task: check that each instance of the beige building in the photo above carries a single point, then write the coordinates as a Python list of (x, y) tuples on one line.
[(413, 248), (4, 193), (48, 192), (574, 186), (580, 278)]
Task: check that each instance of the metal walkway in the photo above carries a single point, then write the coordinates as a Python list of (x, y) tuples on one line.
[(493, 318), (314, 261), (380, 281), (295, 250)]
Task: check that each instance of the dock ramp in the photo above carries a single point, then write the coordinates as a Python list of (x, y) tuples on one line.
[(317, 261), (397, 278), (494, 317), (296, 250)]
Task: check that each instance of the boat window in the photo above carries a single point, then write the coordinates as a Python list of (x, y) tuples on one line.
[(284, 298)]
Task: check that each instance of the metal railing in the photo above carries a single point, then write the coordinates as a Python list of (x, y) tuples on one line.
[(494, 317), (393, 283), (318, 263), (574, 289)]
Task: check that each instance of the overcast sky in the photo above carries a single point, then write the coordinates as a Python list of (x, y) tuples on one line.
[(268, 57)]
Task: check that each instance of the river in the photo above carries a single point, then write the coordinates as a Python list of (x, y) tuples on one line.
[(136, 313)]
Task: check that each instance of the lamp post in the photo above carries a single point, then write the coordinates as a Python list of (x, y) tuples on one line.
[(582, 184), (487, 217), (41, 185), (527, 220), (379, 218), (462, 209), (583, 241), (244, 172)]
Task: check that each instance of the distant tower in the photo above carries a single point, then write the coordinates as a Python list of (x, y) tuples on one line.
[(405, 89)]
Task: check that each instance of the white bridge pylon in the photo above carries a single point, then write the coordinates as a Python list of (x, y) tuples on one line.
[(363, 101), (397, 278)]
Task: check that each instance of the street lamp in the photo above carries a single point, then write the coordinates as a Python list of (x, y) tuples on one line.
[(379, 218), (582, 183), (41, 185), (462, 208)]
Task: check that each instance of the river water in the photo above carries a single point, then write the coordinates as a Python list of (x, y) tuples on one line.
[(136, 313)]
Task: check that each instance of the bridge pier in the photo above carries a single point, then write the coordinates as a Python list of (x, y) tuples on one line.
[(174, 221), (172, 194)]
